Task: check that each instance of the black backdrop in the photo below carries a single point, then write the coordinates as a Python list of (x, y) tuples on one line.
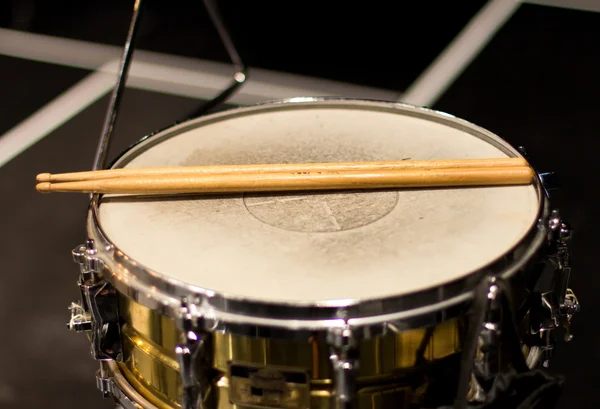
[(536, 84)]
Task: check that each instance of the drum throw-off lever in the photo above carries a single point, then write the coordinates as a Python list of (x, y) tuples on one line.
[(98, 311), (558, 300)]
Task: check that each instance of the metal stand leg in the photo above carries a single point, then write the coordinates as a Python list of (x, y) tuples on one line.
[(241, 71), (239, 77), (115, 100)]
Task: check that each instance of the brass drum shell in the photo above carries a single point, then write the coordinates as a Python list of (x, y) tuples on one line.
[(386, 362)]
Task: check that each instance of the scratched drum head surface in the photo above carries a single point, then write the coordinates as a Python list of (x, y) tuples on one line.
[(308, 248)]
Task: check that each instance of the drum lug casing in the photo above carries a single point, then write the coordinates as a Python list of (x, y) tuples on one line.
[(97, 313)]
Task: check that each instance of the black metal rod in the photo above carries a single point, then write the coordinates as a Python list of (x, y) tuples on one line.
[(117, 94), (241, 71), (215, 16)]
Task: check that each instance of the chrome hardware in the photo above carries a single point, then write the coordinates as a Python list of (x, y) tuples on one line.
[(344, 360), (97, 312), (111, 383), (104, 385), (88, 264), (195, 338), (569, 308), (104, 382), (560, 299), (487, 361), (79, 253), (476, 393)]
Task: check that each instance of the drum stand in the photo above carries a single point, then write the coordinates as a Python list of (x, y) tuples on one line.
[(486, 329), (239, 77)]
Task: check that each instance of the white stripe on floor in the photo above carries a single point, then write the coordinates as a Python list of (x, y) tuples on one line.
[(54, 114), (446, 68), (150, 71), (205, 76)]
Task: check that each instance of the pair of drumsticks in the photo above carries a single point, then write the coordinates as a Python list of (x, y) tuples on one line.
[(293, 177)]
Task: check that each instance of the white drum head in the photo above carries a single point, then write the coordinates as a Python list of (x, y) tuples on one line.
[(312, 248)]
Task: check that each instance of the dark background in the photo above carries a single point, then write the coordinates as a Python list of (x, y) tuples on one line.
[(536, 84)]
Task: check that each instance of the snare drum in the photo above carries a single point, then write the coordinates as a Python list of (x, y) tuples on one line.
[(301, 300)]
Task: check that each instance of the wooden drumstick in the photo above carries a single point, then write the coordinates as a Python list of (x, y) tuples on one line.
[(264, 182), (270, 168)]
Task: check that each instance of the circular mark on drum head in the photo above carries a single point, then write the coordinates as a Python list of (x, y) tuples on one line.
[(316, 212)]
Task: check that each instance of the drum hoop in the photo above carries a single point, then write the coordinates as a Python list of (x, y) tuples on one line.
[(429, 306)]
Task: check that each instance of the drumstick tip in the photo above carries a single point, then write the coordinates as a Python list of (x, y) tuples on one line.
[(44, 187), (43, 177)]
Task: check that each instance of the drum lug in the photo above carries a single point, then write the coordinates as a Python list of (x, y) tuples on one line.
[(566, 303), (98, 311), (487, 359), (104, 385), (557, 298), (195, 340), (344, 360)]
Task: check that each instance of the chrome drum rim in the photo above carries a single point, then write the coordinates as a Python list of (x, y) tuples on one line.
[(227, 312)]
